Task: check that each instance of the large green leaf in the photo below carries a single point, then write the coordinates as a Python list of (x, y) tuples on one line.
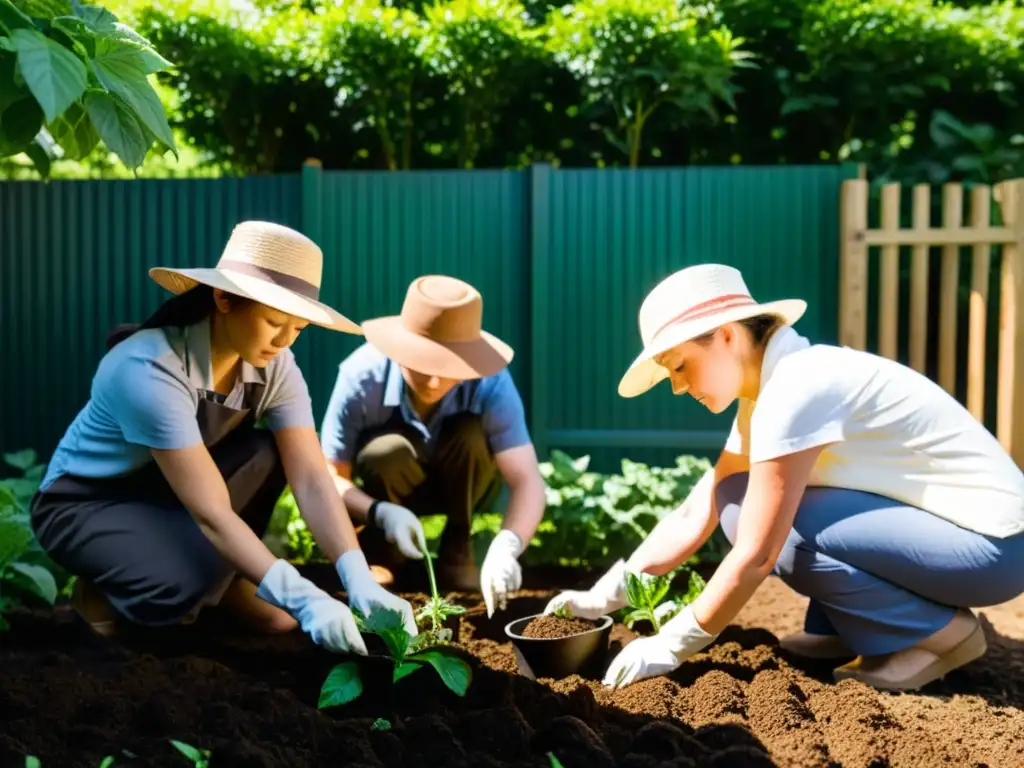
[(122, 68), (99, 19), (54, 74), (341, 686), (11, 18), (75, 132), (405, 669), (19, 124), (35, 580), (118, 126), (24, 459), (455, 673), (15, 538), (126, 60)]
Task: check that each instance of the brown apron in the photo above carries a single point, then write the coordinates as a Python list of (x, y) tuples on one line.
[(132, 537)]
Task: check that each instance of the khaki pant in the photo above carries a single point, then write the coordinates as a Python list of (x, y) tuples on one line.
[(460, 477)]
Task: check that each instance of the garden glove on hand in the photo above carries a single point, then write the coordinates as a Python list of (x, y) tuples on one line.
[(608, 594), (679, 638), (500, 573), (367, 595), (328, 622), (402, 528)]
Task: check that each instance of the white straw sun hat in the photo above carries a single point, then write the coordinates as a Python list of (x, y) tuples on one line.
[(688, 304), (268, 263)]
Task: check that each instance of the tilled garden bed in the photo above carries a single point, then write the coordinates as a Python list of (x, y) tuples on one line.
[(71, 700)]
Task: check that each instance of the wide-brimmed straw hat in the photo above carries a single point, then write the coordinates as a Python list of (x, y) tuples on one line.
[(688, 304), (268, 263), (439, 331)]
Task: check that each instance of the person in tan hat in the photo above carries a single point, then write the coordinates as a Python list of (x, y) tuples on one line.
[(159, 491), (860, 482), (428, 418)]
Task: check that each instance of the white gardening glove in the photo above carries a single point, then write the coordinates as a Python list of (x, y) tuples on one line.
[(608, 594), (367, 595), (500, 573), (402, 528), (328, 622), (678, 639)]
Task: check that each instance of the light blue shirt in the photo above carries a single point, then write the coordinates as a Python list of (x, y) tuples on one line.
[(370, 389), (145, 395)]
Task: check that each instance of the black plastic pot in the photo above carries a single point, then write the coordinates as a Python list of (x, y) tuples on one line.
[(585, 654)]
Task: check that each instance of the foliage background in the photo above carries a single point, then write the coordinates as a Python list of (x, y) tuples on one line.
[(917, 90)]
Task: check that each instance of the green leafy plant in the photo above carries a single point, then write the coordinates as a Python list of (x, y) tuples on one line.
[(636, 58), (200, 757), (408, 655), (27, 574), (646, 594), (437, 609), (71, 75)]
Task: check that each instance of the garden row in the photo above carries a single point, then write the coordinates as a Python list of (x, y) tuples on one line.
[(917, 89), (591, 520)]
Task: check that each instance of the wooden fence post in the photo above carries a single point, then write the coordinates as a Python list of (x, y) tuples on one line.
[(981, 218), (949, 282), (1010, 417), (540, 240), (853, 264)]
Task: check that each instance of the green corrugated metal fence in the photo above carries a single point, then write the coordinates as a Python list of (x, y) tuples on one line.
[(562, 257)]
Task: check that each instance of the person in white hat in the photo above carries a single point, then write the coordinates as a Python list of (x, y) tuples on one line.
[(860, 482), (158, 493), (427, 417)]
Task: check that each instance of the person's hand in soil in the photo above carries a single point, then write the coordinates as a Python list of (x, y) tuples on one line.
[(328, 622), (501, 573), (608, 594), (401, 527), (366, 595), (645, 657)]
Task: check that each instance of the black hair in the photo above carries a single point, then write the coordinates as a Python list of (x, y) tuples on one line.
[(179, 311), (760, 327)]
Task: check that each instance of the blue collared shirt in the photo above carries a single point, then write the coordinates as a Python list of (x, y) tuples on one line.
[(370, 388)]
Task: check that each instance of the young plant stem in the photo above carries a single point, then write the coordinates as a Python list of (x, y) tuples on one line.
[(433, 586)]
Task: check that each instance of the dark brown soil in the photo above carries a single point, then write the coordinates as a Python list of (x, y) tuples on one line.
[(71, 700), (555, 627)]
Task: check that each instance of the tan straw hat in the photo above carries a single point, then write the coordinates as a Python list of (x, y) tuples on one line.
[(688, 304), (268, 263), (439, 331)]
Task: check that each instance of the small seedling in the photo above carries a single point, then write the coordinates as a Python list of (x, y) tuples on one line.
[(408, 654), (381, 724), (31, 761), (555, 762), (645, 593), (437, 608), (200, 757)]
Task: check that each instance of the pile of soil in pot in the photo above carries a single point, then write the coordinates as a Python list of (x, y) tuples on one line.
[(555, 627), (251, 701)]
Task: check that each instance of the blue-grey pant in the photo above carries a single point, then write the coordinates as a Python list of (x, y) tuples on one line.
[(881, 574)]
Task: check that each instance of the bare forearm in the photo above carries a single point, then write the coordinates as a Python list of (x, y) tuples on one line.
[(236, 542), (357, 502), (525, 509), (326, 515), (734, 582), (676, 537)]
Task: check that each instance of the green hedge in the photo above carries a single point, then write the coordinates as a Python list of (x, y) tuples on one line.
[(496, 83)]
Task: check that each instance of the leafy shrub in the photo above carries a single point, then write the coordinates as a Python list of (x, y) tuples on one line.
[(372, 56), (27, 574), (485, 53), (70, 75), (638, 58)]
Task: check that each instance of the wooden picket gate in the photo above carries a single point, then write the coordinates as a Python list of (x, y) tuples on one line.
[(981, 236)]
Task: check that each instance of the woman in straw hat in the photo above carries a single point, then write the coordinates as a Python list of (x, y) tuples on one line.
[(861, 483), (160, 489)]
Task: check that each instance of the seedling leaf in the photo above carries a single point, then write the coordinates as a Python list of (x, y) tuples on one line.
[(31, 761), (455, 673), (341, 686), (23, 460), (405, 669)]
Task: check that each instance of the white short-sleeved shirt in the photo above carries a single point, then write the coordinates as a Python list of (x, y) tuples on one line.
[(889, 431), (145, 395)]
